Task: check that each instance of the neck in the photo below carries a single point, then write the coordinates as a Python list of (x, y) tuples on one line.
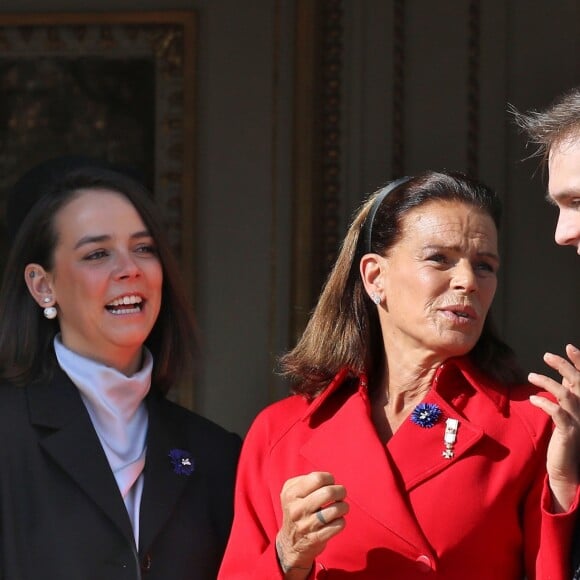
[(404, 385)]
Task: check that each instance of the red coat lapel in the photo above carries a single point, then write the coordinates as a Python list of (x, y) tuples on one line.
[(347, 446)]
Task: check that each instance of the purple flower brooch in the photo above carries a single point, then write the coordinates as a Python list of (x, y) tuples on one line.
[(182, 462), (426, 415)]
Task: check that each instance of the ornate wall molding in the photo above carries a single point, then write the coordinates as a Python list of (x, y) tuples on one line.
[(398, 162), (317, 151), (74, 84), (84, 52), (473, 108), (331, 68)]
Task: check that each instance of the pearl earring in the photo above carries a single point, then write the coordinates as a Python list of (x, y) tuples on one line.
[(50, 312), (376, 298)]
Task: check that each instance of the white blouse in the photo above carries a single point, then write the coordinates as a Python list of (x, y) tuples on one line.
[(115, 404)]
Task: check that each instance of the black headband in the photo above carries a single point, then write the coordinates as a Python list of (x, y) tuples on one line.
[(367, 233)]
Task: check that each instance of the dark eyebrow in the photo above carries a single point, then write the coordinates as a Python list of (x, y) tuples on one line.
[(105, 237), (490, 255)]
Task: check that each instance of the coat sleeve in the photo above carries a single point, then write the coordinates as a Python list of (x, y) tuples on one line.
[(547, 535), (250, 552), (555, 539)]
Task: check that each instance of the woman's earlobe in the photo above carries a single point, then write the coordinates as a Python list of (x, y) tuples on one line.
[(371, 274), (38, 284)]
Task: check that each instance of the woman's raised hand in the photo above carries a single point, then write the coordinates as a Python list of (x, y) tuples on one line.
[(313, 509)]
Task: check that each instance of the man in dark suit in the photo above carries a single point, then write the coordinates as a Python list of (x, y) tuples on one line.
[(556, 133)]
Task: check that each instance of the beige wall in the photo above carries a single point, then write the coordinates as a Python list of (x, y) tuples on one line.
[(244, 171)]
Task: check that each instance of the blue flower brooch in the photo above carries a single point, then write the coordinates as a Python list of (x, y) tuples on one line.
[(426, 415), (181, 461)]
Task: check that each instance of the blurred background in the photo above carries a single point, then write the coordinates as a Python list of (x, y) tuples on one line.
[(262, 124)]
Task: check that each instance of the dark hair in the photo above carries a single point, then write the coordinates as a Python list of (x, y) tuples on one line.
[(553, 126), (344, 329), (26, 351)]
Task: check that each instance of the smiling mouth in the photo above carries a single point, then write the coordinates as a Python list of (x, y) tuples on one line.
[(125, 305)]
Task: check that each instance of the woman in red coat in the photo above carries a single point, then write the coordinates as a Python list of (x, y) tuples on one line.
[(412, 445)]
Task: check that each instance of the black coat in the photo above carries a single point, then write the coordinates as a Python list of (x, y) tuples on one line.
[(62, 516)]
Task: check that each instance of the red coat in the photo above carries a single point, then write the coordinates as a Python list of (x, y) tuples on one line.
[(477, 516)]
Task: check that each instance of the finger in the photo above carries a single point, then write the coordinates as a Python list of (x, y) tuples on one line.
[(549, 407), (567, 370), (574, 355), (560, 417), (330, 530), (320, 516), (305, 510), (302, 486), (328, 514), (565, 396), (325, 495), (547, 384), (299, 508)]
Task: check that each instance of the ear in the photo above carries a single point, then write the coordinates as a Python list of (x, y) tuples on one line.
[(371, 271), (39, 284)]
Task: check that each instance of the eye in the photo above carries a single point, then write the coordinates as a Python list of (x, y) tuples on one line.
[(438, 258), (486, 267), (565, 202), (96, 255), (147, 249)]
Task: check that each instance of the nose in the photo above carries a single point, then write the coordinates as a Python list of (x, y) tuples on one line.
[(464, 277), (568, 228), (126, 267)]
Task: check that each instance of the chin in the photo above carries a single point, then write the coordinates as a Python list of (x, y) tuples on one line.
[(457, 348), (133, 340)]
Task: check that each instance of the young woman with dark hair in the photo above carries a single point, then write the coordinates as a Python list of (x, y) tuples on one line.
[(101, 475)]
